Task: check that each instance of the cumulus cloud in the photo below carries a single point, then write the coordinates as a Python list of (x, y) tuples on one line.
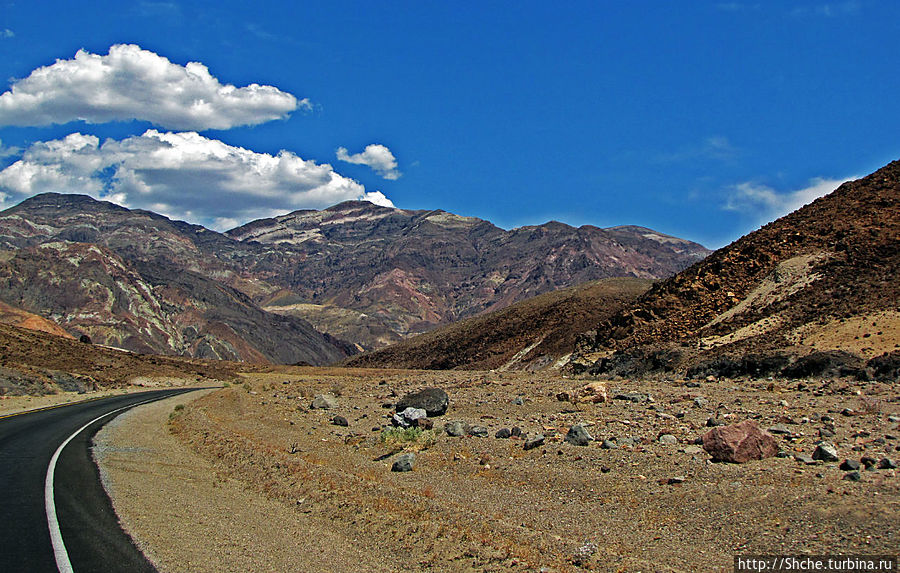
[(766, 204), (7, 33), (376, 156), (130, 83), (181, 175)]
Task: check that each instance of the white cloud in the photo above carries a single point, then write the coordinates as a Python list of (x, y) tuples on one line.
[(376, 156), (7, 33), (132, 83), (8, 151), (765, 204), (181, 175)]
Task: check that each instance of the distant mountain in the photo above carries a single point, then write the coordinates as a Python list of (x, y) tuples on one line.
[(815, 290), (138, 281), (532, 334), (409, 271), (368, 274)]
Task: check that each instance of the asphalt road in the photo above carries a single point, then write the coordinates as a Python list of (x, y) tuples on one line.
[(89, 528)]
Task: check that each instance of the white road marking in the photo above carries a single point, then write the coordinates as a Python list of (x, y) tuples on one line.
[(59, 548)]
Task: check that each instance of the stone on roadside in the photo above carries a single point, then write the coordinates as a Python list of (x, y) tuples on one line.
[(578, 436), (323, 402), (478, 431), (608, 445), (593, 393), (456, 428), (340, 421), (739, 443), (636, 397), (503, 433), (780, 429), (404, 462), (849, 465), (887, 464), (408, 417), (515, 432), (825, 452), (852, 476), (668, 439), (433, 400), (534, 442)]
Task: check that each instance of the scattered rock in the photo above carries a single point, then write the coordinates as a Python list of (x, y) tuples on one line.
[(408, 417), (701, 402), (805, 459), (433, 400), (404, 462), (563, 397), (692, 385), (713, 422), (424, 423), (478, 431), (593, 393), (503, 433), (868, 462), (668, 439), (456, 428), (515, 432), (534, 442), (323, 402), (340, 421), (578, 436), (692, 450), (739, 443), (583, 554), (826, 433), (780, 429), (893, 419), (676, 480), (518, 401), (849, 465), (825, 452), (609, 445), (636, 397), (887, 464), (852, 476)]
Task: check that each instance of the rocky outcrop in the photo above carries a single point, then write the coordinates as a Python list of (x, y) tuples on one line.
[(820, 279)]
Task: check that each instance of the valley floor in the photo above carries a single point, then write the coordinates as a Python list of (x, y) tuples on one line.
[(249, 478)]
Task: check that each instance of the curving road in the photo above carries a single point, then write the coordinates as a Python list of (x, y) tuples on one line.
[(87, 524)]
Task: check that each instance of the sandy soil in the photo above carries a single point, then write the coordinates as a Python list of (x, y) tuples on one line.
[(188, 516), (251, 479)]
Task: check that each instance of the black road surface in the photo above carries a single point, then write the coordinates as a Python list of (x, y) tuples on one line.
[(90, 528)]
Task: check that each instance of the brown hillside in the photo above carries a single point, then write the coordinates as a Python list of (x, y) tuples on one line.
[(18, 317), (38, 363), (533, 333), (793, 284)]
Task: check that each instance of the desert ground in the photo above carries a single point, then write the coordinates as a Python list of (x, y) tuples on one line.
[(251, 478)]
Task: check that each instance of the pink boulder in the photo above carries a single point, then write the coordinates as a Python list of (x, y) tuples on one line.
[(739, 443)]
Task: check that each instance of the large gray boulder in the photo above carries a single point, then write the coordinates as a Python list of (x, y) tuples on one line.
[(433, 400)]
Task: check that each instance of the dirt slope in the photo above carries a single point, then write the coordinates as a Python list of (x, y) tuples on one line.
[(799, 284), (531, 334)]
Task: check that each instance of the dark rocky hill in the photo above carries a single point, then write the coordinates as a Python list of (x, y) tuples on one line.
[(819, 285), (533, 334)]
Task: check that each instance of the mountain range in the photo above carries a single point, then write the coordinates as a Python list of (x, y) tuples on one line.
[(813, 293), (365, 275)]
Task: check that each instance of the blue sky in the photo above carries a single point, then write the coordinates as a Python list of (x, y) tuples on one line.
[(698, 119)]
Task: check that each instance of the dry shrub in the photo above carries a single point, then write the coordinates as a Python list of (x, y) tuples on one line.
[(408, 439)]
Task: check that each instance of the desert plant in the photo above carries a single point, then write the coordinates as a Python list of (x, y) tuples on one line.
[(408, 439)]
